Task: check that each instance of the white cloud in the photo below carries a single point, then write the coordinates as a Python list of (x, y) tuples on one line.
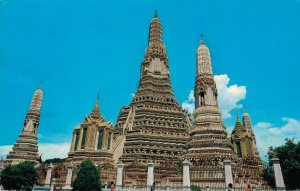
[(47, 150), (54, 150), (269, 135), (228, 96), (263, 125), (189, 104), (4, 150), (132, 94)]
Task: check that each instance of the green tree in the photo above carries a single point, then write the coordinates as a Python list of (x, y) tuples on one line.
[(21, 176), (195, 188), (289, 155), (55, 161), (87, 178), (268, 175)]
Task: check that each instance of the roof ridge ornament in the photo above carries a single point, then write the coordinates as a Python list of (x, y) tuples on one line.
[(98, 95), (237, 112), (96, 109), (245, 109), (201, 39)]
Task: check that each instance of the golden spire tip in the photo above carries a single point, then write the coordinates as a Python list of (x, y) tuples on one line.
[(98, 95), (202, 40), (237, 112), (155, 13)]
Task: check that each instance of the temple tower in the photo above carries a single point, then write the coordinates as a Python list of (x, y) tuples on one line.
[(244, 145), (208, 146), (243, 138), (154, 127), (92, 140), (26, 148), (248, 125)]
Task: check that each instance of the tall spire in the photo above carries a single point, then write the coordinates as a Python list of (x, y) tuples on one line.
[(155, 30), (247, 120), (32, 119), (26, 147), (153, 108), (238, 123), (96, 109), (36, 101), (155, 59), (209, 139), (203, 59), (205, 89)]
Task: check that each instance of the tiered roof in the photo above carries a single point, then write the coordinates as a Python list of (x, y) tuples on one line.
[(26, 148), (155, 126)]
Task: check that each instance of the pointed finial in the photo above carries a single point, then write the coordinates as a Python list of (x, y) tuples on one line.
[(96, 110), (237, 112), (41, 85), (155, 13), (98, 95), (201, 37), (245, 110), (97, 99)]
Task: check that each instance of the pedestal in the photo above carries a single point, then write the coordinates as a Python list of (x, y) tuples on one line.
[(119, 180), (186, 175), (228, 173), (279, 182), (48, 176), (105, 186), (69, 178), (150, 174)]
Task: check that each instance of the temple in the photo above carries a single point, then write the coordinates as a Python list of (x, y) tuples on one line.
[(26, 148), (244, 145), (155, 134), (209, 145), (154, 127), (92, 140), (243, 138)]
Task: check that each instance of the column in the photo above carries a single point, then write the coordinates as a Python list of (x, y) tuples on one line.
[(119, 180), (48, 176), (150, 175), (69, 177), (279, 182), (186, 175), (105, 188), (228, 173)]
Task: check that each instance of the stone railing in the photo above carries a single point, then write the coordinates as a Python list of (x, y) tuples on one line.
[(167, 188), (186, 183)]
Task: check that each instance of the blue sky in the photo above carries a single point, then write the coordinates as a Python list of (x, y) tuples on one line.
[(79, 46)]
